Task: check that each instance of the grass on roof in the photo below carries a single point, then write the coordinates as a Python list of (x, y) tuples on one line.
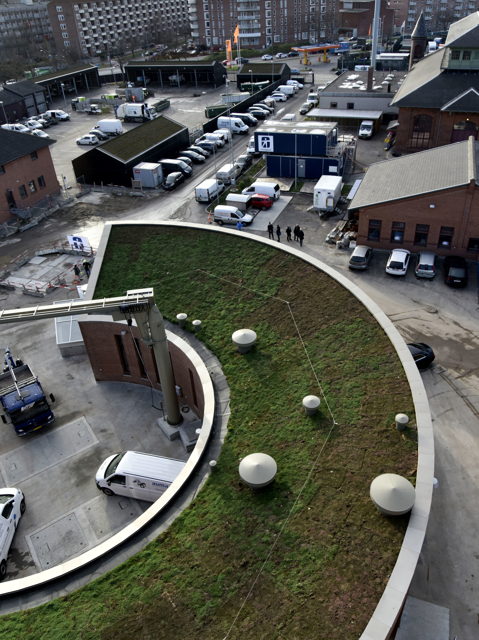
[(170, 63), (62, 72), (332, 561), (130, 144)]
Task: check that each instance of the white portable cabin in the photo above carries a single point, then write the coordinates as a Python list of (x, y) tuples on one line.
[(327, 192), (150, 174)]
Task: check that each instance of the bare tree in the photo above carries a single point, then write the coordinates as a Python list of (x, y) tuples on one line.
[(325, 25), (445, 17)]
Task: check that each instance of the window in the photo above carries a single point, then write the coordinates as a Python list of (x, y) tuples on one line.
[(63, 26), (33, 155), (455, 55), (139, 356), (397, 232), (473, 244), (61, 18), (350, 105), (7, 510), (333, 105), (374, 232), (445, 237), (420, 238), (41, 182), (2, 169), (59, 9), (466, 55), (67, 43), (118, 480), (421, 132), (122, 354), (65, 36), (31, 186)]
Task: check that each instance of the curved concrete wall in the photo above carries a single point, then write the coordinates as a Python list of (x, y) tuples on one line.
[(383, 621)]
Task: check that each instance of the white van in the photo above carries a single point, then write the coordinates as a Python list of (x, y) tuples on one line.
[(235, 125), (12, 507), (266, 188), (289, 117), (58, 114), (366, 129), (226, 174), (137, 475), (287, 89), (208, 190), (295, 83), (110, 127), (231, 215), (250, 150), (21, 128), (226, 133)]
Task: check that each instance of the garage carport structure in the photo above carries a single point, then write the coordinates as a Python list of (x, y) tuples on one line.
[(112, 162), (80, 79), (346, 117), (259, 72), (194, 72)]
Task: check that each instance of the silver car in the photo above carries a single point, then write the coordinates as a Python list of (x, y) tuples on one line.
[(426, 265), (360, 257)]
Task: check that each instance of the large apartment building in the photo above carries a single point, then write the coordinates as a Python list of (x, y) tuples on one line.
[(262, 23), (26, 19), (438, 14), (91, 28)]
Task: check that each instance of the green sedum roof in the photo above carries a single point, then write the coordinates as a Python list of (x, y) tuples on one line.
[(136, 141)]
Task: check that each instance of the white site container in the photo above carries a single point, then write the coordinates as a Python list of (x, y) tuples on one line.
[(327, 192), (150, 174)]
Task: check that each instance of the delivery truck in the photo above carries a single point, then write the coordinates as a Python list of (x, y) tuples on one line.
[(327, 192), (133, 112)]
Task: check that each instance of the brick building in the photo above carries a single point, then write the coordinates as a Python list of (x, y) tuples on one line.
[(356, 18), (91, 28), (438, 101), (26, 21), (427, 201), (27, 174), (263, 23)]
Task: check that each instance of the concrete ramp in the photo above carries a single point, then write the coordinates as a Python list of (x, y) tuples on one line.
[(423, 620)]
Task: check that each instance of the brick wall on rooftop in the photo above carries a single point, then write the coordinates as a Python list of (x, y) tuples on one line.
[(457, 208), (444, 121), (106, 364)]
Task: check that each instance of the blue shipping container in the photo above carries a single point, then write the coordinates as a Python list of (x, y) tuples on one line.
[(310, 168), (301, 144)]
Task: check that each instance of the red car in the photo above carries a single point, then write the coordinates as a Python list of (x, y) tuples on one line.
[(260, 201)]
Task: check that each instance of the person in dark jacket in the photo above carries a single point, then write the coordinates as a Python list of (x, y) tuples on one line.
[(301, 237), (271, 231), (278, 232), (288, 233), (295, 231)]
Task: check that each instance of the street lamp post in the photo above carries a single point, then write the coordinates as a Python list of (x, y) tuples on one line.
[(251, 71), (4, 113), (62, 86), (295, 158)]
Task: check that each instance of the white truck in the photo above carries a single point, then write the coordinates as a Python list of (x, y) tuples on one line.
[(327, 192), (133, 112), (208, 190), (110, 127)]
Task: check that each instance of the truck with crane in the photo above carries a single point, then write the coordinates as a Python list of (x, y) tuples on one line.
[(22, 398)]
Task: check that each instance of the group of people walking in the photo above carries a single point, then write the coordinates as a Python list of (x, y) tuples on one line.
[(297, 232)]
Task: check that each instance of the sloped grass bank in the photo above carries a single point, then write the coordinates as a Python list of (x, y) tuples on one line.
[(333, 551)]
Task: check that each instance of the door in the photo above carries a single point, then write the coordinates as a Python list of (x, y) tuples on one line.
[(10, 198), (118, 485), (301, 168), (7, 518), (138, 488)]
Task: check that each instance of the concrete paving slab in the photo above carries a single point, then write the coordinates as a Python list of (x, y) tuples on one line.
[(47, 451), (37, 260), (308, 187), (423, 620), (107, 515), (264, 217), (58, 542)]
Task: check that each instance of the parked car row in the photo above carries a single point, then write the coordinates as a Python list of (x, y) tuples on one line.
[(35, 125), (455, 267)]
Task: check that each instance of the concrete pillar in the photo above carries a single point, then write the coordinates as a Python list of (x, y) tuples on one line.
[(181, 317), (311, 405), (197, 325), (401, 421)]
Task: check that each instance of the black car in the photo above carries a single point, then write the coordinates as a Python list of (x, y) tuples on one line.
[(242, 60), (293, 54), (422, 354), (208, 146), (173, 180), (186, 160), (244, 162), (258, 113), (455, 269), (99, 134), (192, 155), (199, 150)]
